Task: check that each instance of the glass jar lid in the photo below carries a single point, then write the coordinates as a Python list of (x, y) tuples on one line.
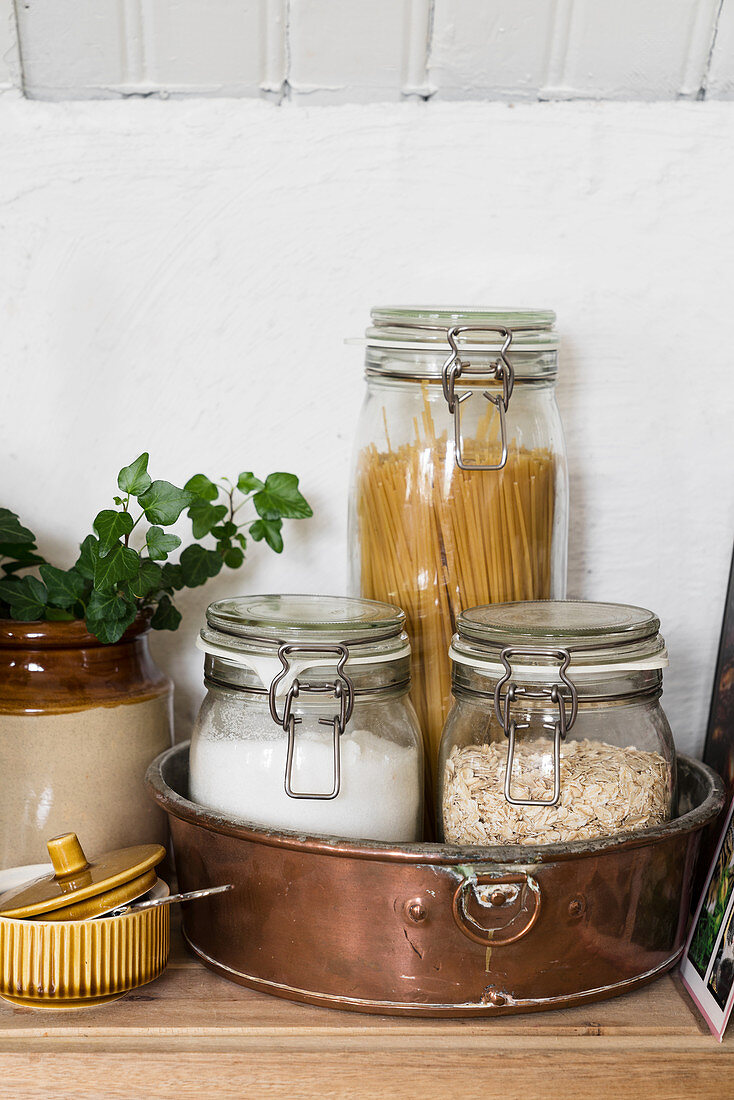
[(425, 328), (598, 636), (244, 627)]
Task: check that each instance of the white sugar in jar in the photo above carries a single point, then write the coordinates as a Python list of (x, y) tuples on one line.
[(307, 725)]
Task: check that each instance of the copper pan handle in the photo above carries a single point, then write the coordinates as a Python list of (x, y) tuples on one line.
[(504, 891)]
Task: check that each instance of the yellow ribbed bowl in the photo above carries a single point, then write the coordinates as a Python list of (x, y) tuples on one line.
[(75, 964)]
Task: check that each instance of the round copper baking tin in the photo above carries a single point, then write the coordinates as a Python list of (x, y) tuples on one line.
[(400, 929)]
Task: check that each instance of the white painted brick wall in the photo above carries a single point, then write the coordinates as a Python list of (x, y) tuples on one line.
[(334, 51), (180, 277)]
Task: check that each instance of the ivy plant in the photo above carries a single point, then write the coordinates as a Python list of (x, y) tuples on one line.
[(124, 567)]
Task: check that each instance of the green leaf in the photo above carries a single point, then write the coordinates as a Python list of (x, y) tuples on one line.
[(198, 565), (88, 558), (8, 585), (110, 527), (204, 516), (65, 586), (172, 576), (28, 600), (268, 529), (12, 530), (59, 615), (149, 579), (22, 557), (164, 503), (121, 564), (234, 557), (224, 530), (160, 544), (166, 617), (109, 614), (135, 479), (247, 482), (281, 498), (202, 486), (241, 540)]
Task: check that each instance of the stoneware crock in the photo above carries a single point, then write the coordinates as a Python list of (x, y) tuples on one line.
[(79, 724)]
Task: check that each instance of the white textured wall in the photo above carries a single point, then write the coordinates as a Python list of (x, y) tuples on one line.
[(180, 277)]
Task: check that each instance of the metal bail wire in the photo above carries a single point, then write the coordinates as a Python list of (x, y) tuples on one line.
[(342, 689), (560, 728), (503, 372)]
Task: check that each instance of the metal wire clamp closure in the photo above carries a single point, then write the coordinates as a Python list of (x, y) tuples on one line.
[(503, 372), (559, 728), (341, 688)]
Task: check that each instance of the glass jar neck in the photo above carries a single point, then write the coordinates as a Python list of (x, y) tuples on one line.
[(617, 686), (476, 366)]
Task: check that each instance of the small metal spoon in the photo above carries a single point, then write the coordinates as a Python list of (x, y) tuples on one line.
[(153, 902)]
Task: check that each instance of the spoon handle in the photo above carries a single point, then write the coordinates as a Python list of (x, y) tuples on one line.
[(153, 902)]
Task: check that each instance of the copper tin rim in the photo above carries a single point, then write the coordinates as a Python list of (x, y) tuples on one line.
[(693, 819)]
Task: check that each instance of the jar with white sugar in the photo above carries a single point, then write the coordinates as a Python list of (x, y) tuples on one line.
[(307, 724)]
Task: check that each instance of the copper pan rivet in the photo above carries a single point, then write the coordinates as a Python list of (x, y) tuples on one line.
[(496, 998), (577, 907), (416, 910), (497, 897)]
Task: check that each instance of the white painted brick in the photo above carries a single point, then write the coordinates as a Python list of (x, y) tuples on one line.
[(9, 61), (720, 82), (75, 49), (357, 51), (490, 49), (627, 49), (226, 47)]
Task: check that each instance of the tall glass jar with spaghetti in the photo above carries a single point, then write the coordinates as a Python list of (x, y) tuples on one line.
[(460, 492)]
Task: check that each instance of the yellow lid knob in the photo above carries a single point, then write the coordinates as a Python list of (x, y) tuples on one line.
[(66, 855)]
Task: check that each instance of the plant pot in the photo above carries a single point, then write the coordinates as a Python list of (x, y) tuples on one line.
[(79, 724)]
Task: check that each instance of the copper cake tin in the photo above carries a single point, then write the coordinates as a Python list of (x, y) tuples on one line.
[(430, 929)]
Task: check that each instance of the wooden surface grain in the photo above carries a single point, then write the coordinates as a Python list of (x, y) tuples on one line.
[(193, 1034)]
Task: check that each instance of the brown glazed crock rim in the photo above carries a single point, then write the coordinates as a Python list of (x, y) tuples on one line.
[(46, 634), (523, 855)]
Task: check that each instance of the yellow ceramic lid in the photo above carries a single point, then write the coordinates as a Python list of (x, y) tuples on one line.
[(75, 880)]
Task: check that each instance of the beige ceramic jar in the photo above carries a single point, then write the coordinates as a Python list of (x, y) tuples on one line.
[(79, 724)]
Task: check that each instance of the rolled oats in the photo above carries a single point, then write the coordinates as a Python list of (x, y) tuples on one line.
[(604, 790)]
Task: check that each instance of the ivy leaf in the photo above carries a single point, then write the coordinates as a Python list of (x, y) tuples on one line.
[(27, 600), (121, 564), (110, 527), (164, 503), (12, 530), (135, 479), (198, 565), (224, 530), (247, 482), (23, 557), (59, 615), (268, 529), (160, 544), (241, 540), (166, 617), (202, 486), (280, 497), (204, 516), (109, 614), (172, 576), (149, 579), (88, 557), (65, 586), (8, 585), (234, 557)]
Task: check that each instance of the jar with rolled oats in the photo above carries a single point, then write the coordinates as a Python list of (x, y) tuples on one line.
[(556, 733)]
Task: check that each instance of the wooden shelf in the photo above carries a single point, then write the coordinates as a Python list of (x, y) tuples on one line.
[(191, 1033)]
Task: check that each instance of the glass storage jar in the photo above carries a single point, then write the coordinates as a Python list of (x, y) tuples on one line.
[(459, 491), (556, 732), (307, 724)]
